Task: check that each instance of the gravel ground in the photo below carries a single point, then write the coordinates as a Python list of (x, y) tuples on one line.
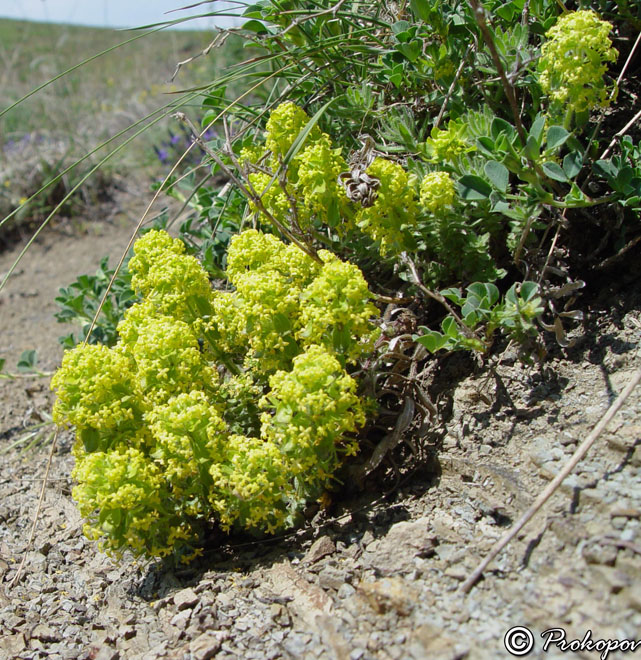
[(374, 577)]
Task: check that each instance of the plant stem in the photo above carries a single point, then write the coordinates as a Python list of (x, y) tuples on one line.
[(479, 16)]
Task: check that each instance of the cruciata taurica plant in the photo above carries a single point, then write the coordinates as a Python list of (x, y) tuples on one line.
[(307, 192), (392, 208), (232, 406), (573, 60)]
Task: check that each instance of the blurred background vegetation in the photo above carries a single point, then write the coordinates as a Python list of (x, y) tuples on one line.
[(48, 132)]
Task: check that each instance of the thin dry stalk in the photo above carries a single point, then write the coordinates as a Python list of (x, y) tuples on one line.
[(216, 42), (16, 577), (435, 295), (248, 190), (620, 134), (332, 10), (555, 483)]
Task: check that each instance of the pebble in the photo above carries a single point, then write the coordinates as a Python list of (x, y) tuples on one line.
[(322, 547), (332, 578), (345, 591), (185, 598)]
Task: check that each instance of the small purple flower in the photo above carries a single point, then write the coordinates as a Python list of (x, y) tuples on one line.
[(162, 153), (174, 139)]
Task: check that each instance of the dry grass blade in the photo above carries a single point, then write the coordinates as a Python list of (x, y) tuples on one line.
[(32, 534), (555, 483)]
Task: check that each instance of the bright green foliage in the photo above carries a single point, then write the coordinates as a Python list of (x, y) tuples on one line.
[(483, 312), (80, 300), (231, 407), (574, 59), (437, 192)]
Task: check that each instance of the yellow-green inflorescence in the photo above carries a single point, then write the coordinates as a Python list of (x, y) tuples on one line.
[(306, 191), (232, 407), (437, 192), (574, 59)]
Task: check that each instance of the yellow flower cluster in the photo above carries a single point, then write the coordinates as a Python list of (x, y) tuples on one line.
[(574, 59), (288, 302), (283, 127), (335, 310), (99, 401), (394, 210), (309, 193), (447, 144), (315, 403), (228, 406), (173, 282), (437, 192)]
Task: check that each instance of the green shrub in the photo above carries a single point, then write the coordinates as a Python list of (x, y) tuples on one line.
[(232, 407)]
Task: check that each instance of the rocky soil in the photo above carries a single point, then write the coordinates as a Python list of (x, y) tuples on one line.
[(376, 576)]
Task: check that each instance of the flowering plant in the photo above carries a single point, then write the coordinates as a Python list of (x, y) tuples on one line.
[(227, 406), (574, 59)]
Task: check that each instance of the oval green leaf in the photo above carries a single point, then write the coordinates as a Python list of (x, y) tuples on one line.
[(473, 187), (554, 171), (498, 174)]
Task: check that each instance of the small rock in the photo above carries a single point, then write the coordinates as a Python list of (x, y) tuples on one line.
[(185, 598), (628, 534), (279, 614), (613, 579), (397, 550), (181, 619), (599, 553), (456, 572), (320, 548), (208, 644), (429, 641), (159, 604), (105, 653), (389, 594), (332, 578), (633, 597), (549, 469), (11, 620), (346, 590), (45, 633), (307, 601), (296, 644), (449, 442), (367, 538), (127, 632), (12, 645), (619, 522)]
